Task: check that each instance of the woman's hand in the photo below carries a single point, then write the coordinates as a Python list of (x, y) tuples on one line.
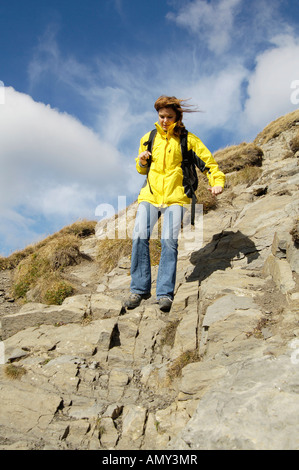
[(143, 157), (216, 190)]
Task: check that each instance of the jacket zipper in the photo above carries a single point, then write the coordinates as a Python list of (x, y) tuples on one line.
[(164, 165)]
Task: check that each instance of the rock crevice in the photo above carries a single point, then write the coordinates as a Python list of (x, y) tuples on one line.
[(220, 371)]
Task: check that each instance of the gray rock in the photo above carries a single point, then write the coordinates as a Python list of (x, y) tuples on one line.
[(219, 371), (252, 408), (225, 306)]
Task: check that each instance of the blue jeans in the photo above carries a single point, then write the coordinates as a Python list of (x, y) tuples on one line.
[(146, 218)]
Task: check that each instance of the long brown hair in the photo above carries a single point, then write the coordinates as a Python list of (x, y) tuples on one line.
[(178, 106)]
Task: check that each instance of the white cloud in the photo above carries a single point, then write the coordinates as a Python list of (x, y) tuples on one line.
[(218, 97), (211, 21), (52, 166), (269, 88), (38, 139), (110, 90), (248, 85), (244, 101)]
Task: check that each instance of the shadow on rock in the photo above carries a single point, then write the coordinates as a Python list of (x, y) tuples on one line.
[(220, 252)]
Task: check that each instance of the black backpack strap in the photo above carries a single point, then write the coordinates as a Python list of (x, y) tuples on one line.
[(188, 160), (149, 144), (184, 145), (194, 201)]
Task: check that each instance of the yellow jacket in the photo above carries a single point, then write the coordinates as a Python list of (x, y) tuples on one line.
[(165, 185)]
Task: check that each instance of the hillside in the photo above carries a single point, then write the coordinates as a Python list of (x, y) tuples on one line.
[(220, 371)]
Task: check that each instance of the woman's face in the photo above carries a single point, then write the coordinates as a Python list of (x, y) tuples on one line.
[(167, 116)]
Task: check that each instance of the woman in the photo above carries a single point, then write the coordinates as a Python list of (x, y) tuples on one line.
[(165, 192)]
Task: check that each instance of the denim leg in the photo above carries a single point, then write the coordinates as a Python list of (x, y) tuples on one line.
[(147, 216), (173, 217)]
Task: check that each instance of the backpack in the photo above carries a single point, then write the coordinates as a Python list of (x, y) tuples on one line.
[(190, 178)]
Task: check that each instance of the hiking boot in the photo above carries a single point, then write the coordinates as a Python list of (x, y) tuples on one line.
[(165, 304), (134, 300)]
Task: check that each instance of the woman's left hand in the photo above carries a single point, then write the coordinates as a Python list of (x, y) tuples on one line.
[(216, 190)]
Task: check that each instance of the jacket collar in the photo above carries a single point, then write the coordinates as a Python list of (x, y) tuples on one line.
[(169, 130)]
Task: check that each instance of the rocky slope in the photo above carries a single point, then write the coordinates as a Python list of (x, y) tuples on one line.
[(220, 371)]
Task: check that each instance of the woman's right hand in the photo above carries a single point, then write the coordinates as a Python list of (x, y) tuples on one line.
[(143, 157)]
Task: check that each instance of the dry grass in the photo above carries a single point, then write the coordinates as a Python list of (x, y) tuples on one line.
[(168, 333), (41, 271), (62, 251), (294, 144), (295, 231), (247, 175), (155, 252), (257, 331), (237, 157), (204, 196), (188, 357), (39, 268), (275, 128), (110, 251), (14, 372), (80, 229)]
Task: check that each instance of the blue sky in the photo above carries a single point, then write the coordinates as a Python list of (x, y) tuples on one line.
[(78, 81)]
